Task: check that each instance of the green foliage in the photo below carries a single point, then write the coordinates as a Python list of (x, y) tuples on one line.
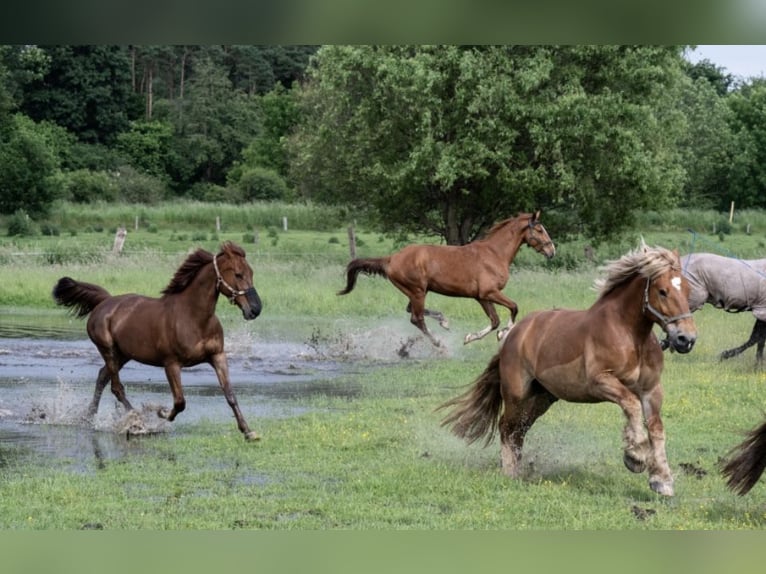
[(85, 186), (449, 139), (259, 183), (135, 186), (147, 146), (85, 89), (28, 164), (20, 224)]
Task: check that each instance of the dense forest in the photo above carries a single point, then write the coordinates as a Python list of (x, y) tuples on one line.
[(427, 139)]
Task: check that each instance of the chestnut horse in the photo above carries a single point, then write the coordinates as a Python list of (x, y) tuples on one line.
[(478, 270), (746, 462), (605, 353), (180, 329)]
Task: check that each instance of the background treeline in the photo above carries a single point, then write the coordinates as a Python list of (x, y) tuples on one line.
[(439, 140)]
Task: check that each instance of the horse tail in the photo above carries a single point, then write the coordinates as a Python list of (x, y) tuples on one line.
[(370, 266), (81, 297), (746, 462), (476, 412)]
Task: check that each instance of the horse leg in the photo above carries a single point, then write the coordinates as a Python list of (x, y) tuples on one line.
[(514, 425), (417, 317), (111, 371), (636, 447), (498, 298), (757, 336), (221, 366), (438, 315), (173, 374), (494, 322), (660, 478), (101, 380)]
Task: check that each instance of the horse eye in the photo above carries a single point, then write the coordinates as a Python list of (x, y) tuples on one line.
[(663, 293), (238, 275)]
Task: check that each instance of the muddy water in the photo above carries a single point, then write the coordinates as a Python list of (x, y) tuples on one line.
[(47, 375)]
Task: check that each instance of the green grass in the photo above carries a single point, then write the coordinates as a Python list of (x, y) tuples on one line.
[(379, 459)]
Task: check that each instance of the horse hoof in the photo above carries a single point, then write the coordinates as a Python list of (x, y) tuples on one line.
[(163, 413), (663, 488), (444, 325), (252, 436), (633, 464)]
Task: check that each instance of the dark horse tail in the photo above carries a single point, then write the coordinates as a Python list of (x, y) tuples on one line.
[(746, 462), (81, 297), (476, 411), (372, 266)]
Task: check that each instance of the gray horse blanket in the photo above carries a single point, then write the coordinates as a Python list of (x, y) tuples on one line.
[(726, 283)]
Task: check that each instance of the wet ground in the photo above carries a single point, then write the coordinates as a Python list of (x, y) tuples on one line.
[(47, 376)]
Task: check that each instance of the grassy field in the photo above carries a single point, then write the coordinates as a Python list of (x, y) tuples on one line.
[(379, 459)]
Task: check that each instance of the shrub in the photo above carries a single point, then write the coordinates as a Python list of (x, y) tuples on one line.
[(259, 183), (137, 187), (213, 193), (86, 186), (20, 224)]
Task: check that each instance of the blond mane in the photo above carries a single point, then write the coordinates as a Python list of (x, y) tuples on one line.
[(645, 261)]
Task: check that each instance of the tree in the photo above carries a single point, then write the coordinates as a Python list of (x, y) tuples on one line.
[(28, 162), (709, 144), (448, 139), (748, 170), (86, 90), (211, 125)]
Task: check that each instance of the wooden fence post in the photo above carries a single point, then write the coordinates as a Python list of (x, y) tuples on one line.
[(351, 242)]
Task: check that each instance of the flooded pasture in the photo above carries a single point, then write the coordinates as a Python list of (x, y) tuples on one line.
[(48, 368), (47, 377)]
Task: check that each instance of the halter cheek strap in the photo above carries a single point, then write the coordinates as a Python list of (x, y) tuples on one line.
[(534, 241), (664, 320), (233, 293)]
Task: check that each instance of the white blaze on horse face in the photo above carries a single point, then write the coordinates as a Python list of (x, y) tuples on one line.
[(676, 282)]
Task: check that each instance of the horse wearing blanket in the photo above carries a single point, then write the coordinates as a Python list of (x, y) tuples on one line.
[(734, 285)]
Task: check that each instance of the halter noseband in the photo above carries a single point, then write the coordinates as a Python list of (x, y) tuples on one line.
[(532, 235), (663, 319), (233, 293)]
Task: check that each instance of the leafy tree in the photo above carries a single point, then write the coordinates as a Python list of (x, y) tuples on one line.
[(269, 148), (748, 171), (447, 139), (708, 146), (86, 90), (716, 76), (28, 164), (212, 124), (147, 146)]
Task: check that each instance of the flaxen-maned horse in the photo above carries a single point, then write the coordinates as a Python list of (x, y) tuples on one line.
[(180, 329), (478, 270), (605, 353)]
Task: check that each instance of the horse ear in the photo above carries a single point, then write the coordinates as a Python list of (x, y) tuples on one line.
[(536, 215)]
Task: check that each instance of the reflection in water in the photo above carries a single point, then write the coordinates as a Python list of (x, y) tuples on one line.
[(47, 383)]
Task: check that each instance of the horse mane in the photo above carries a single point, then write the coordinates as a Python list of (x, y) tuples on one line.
[(501, 224), (646, 261), (188, 270)]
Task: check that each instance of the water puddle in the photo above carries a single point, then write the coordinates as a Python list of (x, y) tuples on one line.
[(48, 369)]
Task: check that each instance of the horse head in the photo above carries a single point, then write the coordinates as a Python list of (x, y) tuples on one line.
[(537, 237), (666, 302), (235, 279)]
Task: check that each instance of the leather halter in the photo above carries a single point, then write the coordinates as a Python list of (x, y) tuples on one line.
[(233, 293), (532, 236), (664, 320)]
